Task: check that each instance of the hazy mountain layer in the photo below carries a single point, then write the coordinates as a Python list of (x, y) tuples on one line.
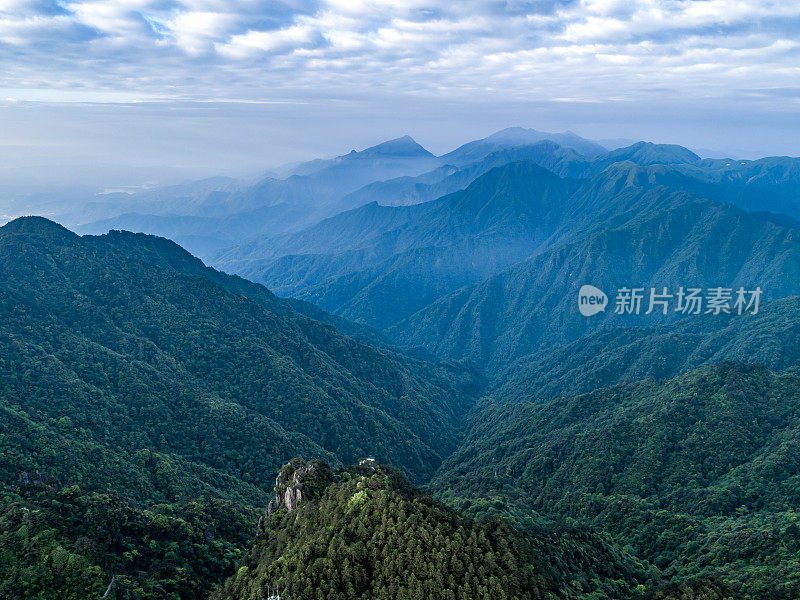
[(209, 215), (414, 255), (206, 218), (379, 265), (651, 238), (518, 136)]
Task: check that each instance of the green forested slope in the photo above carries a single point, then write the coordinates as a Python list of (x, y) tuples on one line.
[(363, 532), (127, 363), (605, 357), (657, 238), (71, 545), (698, 475)]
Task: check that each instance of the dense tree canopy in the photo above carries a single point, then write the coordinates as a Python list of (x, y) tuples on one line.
[(698, 476), (364, 532)]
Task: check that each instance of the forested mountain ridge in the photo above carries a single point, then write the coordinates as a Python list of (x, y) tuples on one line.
[(654, 237), (364, 532), (613, 355), (180, 380), (696, 475), (407, 259), (71, 545), (414, 255)]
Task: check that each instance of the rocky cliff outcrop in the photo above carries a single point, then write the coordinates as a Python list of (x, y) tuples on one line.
[(295, 482)]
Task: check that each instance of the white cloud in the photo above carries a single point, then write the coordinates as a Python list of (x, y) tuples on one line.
[(589, 49), (22, 30), (274, 41), (117, 18), (195, 32)]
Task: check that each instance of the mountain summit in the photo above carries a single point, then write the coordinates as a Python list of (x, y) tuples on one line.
[(518, 136), (402, 146)]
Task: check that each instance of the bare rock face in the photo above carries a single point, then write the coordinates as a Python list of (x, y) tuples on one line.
[(292, 498), (290, 484)]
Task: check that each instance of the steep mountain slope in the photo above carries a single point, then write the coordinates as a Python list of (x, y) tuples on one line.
[(651, 237), (608, 356), (69, 545), (697, 475), (158, 375), (364, 532), (503, 217)]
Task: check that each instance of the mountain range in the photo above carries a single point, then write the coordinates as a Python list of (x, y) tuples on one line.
[(442, 419), (487, 271), (209, 215), (668, 239)]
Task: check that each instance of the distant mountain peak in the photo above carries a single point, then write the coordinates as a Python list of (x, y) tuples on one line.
[(34, 225), (527, 134), (402, 146), (648, 153), (514, 134), (520, 136)]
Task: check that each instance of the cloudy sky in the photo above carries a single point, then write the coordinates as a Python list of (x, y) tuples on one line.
[(224, 86)]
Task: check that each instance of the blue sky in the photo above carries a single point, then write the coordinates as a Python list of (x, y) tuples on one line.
[(221, 86)]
